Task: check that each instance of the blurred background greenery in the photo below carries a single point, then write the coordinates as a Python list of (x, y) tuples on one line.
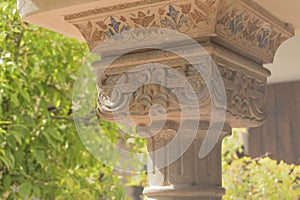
[(41, 156)]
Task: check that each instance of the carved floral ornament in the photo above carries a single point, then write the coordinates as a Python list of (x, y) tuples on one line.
[(184, 18), (255, 33), (230, 21)]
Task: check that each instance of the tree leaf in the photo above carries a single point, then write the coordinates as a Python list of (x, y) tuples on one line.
[(7, 182), (25, 190)]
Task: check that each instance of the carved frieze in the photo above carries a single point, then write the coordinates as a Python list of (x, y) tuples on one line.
[(240, 25), (186, 17)]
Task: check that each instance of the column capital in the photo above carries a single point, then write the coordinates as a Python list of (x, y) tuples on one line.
[(244, 80)]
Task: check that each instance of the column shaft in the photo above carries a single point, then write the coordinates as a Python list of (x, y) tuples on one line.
[(189, 177)]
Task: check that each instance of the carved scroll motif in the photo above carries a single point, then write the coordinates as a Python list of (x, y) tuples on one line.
[(245, 93)]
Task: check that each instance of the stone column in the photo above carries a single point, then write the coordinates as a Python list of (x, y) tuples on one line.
[(189, 177), (239, 36)]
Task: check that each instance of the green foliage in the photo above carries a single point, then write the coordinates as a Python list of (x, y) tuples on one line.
[(41, 155), (261, 178)]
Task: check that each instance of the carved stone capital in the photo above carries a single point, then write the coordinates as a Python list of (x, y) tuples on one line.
[(244, 81)]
